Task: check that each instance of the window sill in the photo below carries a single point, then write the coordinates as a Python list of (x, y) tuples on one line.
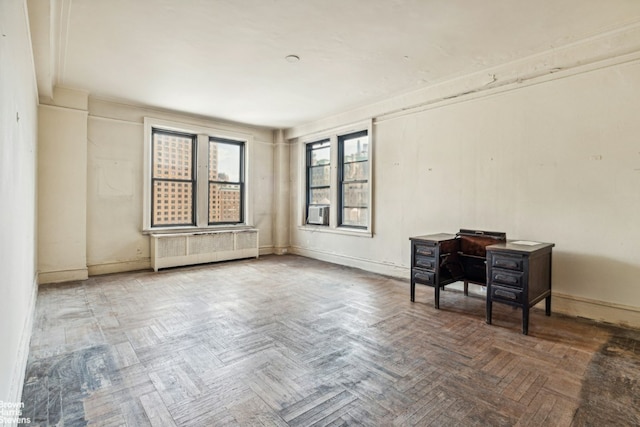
[(197, 230), (336, 230)]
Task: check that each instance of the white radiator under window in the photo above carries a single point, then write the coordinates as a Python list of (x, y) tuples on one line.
[(172, 250)]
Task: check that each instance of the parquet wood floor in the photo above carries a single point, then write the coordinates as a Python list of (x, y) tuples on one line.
[(290, 341)]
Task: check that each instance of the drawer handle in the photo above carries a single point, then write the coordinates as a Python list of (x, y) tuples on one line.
[(505, 278), (507, 264), (428, 264), (423, 277), (505, 294), (425, 252)]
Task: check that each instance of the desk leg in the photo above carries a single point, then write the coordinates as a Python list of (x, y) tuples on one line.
[(413, 291), (525, 319), (547, 305), (437, 296), (489, 308), (466, 288)]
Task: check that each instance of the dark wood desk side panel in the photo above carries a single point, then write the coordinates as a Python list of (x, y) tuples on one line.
[(536, 277), (429, 256), (539, 275)]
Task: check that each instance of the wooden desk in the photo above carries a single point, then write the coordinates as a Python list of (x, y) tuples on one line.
[(440, 259), (429, 255), (518, 274)]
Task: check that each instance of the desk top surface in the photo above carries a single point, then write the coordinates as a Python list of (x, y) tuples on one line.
[(439, 237), (522, 246)]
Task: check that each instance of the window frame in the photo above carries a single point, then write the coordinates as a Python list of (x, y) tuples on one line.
[(335, 206), (320, 145), (193, 179), (201, 211), (240, 182), (341, 179)]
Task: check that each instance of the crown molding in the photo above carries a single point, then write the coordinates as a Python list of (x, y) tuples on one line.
[(611, 48)]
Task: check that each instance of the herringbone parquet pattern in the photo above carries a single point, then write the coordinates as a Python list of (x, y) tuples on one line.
[(289, 341)]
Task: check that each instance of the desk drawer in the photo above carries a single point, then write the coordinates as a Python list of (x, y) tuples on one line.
[(506, 277), (425, 262), (425, 250), (424, 277), (499, 293), (510, 262)]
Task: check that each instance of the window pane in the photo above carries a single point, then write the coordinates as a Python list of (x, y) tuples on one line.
[(354, 176), (356, 171), (224, 162), (172, 203), (320, 156), (358, 217), (355, 195), (172, 156), (319, 176), (224, 203), (319, 196), (356, 149)]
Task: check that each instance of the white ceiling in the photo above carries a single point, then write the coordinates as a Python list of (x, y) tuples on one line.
[(226, 58)]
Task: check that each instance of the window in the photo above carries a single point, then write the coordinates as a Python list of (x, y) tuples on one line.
[(318, 174), (226, 186), (194, 177), (173, 178), (353, 152), (337, 171)]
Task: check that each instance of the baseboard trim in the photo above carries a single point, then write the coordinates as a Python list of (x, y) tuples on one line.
[(140, 264), (20, 369), (266, 250), (386, 269), (600, 311), (62, 276), (119, 267), (571, 305)]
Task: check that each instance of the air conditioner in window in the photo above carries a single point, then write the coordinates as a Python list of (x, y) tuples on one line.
[(318, 215)]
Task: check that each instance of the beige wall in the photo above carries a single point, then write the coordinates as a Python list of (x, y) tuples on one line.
[(556, 160), (62, 188), (115, 183), (91, 185), (114, 196), (18, 149)]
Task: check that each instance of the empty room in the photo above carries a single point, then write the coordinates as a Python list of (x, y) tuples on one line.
[(301, 213)]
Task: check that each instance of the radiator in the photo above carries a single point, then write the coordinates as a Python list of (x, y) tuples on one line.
[(172, 250)]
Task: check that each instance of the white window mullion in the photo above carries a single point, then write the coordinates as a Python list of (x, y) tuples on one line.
[(333, 212), (202, 201), (200, 168), (361, 225)]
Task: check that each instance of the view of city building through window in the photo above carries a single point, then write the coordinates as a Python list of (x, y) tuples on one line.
[(318, 174), (175, 185), (354, 179), (225, 181), (172, 178), (352, 185)]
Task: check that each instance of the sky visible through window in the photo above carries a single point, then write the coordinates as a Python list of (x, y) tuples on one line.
[(229, 162)]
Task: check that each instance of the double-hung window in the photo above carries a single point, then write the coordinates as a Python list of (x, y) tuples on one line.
[(195, 177), (226, 181), (353, 154), (338, 177), (318, 175), (173, 178)]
